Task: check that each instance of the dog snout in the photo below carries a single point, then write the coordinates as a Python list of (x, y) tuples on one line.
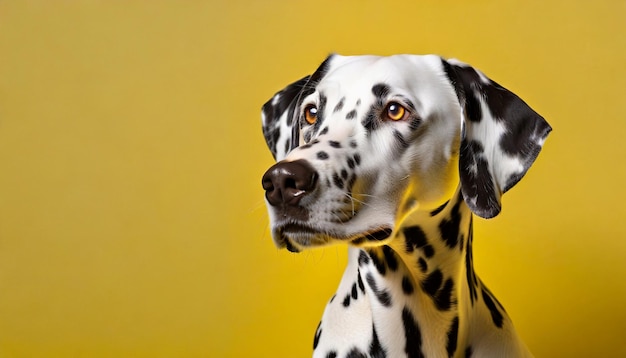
[(286, 183)]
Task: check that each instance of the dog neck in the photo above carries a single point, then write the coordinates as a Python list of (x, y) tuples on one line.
[(418, 295)]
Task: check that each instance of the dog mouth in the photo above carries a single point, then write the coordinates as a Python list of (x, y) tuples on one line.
[(298, 236)]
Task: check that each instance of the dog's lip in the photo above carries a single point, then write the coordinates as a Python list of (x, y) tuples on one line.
[(297, 228), (294, 236)]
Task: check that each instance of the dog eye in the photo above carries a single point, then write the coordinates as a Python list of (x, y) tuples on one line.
[(310, 114), (395, 111)]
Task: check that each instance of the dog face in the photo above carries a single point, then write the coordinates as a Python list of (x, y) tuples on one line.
[(366, 140)]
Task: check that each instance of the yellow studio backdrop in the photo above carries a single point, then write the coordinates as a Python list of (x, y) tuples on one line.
[(132, 221)]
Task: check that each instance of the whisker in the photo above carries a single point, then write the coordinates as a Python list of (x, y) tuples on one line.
[(353, 199), (337, 217), (368, 195), (259, 205)]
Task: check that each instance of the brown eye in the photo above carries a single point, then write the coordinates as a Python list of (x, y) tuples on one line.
[(394, 111), (310, 114)]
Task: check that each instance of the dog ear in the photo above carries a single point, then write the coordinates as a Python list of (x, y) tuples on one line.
[(501, 138), (277, 118), (280, 121)]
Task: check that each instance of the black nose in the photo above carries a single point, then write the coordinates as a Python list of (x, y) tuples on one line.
[(285, 183)]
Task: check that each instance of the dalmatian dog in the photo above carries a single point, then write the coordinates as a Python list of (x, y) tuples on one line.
[(392, 156)]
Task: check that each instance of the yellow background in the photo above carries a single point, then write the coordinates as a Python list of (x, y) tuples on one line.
[(132, 221)]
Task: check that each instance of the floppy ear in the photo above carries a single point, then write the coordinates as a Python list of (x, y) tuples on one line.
[(277, 116), (280, 121), (501, 138)]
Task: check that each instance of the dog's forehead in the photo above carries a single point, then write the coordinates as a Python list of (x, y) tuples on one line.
[(357, 74)]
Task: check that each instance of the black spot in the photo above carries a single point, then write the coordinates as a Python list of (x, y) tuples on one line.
[(454, 79), (339, 105), (473, 109), (468, 352), (476, 181), (412, 334), (381, 90), (502, 104), (496, 316), (463, 80), (334, 144), (356, 353), (357, 159), (443, 298), (324, 131), (344, 174), (358, 102), (346, 300), (351, 182), (353, 144), (351, 163), (523, 129), (407, 286), (429, 251), (287, 146), (415, 123), (318, 335), (432, 282), (351, 114), (494, 298), (322, 155), (376, 349), (520, 135), (472, 281), (422, 264), (363, 258), (415, 238), (308, 135), (321, 107), (360, 281), (337, 180), (354, 292), (390, 258), (453, 333), (438, 290), (333, 298), (449, 228), (370, 122), (382, 295), (380, 265), (379, 235), (439, 209), (331, 354)]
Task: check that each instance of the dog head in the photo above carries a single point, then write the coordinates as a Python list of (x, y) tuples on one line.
[(366, 139)]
